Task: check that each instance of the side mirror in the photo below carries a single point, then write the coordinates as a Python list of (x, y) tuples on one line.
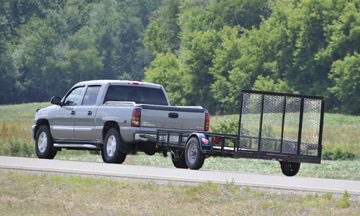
[(55, 100)]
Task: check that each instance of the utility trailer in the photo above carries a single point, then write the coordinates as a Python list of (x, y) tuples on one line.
[(272, 126)]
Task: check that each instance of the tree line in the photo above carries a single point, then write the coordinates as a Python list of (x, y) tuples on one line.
[(46, 46), (203, 52)]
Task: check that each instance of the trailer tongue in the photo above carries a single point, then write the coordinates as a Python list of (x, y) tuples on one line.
[(272, 126)]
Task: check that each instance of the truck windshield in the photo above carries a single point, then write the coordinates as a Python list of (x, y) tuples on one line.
[(140, 95)]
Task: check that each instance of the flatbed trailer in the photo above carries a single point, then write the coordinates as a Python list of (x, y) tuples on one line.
[(272, 126)]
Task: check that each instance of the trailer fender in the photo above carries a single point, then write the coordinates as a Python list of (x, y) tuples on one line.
[(203, 140)]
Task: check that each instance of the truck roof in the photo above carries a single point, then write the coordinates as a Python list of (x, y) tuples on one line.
[(119, 82)]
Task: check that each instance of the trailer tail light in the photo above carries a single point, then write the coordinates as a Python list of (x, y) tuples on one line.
[(135, 119), (217, 139), (207, 121)]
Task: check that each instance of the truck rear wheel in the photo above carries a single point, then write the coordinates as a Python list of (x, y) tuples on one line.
[(193, 156), (44, 143), (289, 168), (178, 159), (111, 151)]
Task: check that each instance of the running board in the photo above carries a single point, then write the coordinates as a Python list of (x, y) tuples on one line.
[(78, 146)]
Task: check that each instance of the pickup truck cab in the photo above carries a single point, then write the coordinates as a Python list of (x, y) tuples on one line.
[(114, 117)]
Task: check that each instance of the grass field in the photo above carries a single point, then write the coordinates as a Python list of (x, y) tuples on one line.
[(35, 194), (38, 194), (339, 131)]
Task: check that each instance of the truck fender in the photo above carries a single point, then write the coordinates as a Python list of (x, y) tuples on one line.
[(203, 140)]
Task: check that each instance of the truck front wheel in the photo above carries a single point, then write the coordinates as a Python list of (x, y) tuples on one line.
[(111, 151), (44, 143), (289, 168), (193, 156)]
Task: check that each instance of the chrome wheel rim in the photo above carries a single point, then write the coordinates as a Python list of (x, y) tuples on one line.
[(42, 142), (192, 152), (111, 146)]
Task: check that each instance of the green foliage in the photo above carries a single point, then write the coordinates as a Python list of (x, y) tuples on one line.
[(47, 46), (344, 202), (346, 75), (217, 48), (229, 126), (17, 148), (338, 154), (268, 84), (165, 71)]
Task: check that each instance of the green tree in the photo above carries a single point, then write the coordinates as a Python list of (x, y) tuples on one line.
[(346, 74), (198, 51), (163, 33), (8, 84), (245, 13), (165, 70)]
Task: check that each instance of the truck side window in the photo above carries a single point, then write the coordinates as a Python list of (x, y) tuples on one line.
[(91, 95), (74, 97)]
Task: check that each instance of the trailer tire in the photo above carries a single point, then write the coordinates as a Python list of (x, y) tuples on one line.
[(289, 168), (111, 150), (179, 162), (44, 143), (193, 156)]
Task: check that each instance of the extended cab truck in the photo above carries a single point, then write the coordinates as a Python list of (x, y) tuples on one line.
[(115, 117)]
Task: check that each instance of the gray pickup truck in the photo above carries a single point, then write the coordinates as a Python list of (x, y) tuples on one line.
[(115, 117)]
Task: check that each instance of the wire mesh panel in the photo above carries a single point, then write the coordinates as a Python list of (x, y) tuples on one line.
[(311, 127), (250, 122), (291, 125), (273, 109), (280, 123)]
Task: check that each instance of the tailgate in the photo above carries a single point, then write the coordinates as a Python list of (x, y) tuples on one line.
[(169, 117)]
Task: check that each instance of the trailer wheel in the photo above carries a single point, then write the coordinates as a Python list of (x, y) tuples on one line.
[(44, 143), (193, 156), (178, 159), (111, 150), (289, 168)]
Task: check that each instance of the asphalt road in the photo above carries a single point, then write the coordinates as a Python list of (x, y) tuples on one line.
[(183, 175)]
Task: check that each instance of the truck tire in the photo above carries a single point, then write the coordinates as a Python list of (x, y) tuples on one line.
[(289, 168), (179, 160), (44, 143), (193, 156), (111, 150), (149, 152)]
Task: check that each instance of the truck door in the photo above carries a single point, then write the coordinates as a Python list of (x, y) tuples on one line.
[(62, 123), (85, 115)]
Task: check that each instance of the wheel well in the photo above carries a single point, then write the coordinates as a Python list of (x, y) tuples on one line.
[(107, 126), (40, 123)]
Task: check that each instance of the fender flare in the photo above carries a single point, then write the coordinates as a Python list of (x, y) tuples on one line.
[(202, 138)]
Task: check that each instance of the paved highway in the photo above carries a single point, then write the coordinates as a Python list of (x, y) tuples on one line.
[(184, 175)]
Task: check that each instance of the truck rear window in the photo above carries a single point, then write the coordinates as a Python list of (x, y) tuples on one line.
[(140, 95)]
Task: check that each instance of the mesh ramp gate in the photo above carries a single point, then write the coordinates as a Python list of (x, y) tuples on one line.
[(285, 124)]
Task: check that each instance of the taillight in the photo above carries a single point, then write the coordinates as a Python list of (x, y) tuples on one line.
[(217, 139), (135, 119), (135, 83), (207, 121)]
